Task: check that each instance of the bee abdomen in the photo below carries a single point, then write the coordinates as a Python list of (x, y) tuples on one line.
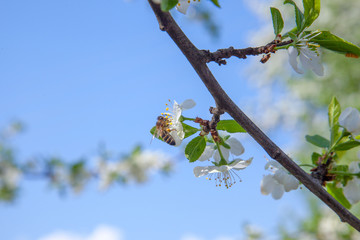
[(168, 138)]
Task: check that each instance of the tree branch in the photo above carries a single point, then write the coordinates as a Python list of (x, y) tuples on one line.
[(220, 54), (198, 60)]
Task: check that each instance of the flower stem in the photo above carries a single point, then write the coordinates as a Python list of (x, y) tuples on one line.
[(337, 141), (223, 160), (188, 119)]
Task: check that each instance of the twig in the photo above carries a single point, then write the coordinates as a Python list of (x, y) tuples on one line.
[(198, 60), (220, 54)]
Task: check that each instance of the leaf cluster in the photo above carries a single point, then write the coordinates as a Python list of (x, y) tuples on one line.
[(303, 21), (333, 148)]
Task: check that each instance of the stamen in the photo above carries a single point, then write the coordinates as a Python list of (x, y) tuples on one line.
[(226, 178)]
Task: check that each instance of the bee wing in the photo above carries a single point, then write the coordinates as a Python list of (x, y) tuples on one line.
[(156, 134)]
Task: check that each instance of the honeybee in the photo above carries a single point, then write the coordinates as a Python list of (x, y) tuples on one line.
[(162, 130)]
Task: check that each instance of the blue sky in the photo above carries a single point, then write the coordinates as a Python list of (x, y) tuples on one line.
[(80, 73)]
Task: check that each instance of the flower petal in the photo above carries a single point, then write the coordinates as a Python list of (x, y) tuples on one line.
[(310, 60), (270, 185), (236, 147), (305, 59), (182, 6), (177, 111), (272, 164), (225, 152), (293, 54), (201, 171), (178, 139), (187, 104), (354, 167), (277, 192), (207, 154), (352, 191), (350, 119), (290, 183), (267, 184), (239, 164)]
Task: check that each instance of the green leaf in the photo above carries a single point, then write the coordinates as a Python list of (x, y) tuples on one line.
[(230, 126), (195, 148), (292, 36), (152, 130), (299, 16), (292, 32), (340, 168), (216, 2), (338, 194), (318, 140), (278, 22), (334, 113), (166, 5), (347, 145), (315, 158), (334, 43), (189, 130), (311, 11)]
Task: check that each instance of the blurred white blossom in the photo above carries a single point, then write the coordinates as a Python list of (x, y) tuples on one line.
[(10, 175), (135, 168), (352, 188), (350, 120), (278, 182)]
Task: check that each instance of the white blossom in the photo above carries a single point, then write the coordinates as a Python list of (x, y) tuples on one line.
[(224, 173), (236, 148), (182, 5), (352, 188), (278, 182), (307, 53), (350, 120), (175, 126)]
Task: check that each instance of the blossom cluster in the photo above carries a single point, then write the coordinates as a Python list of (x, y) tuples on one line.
[(136, 168), (223, 150)]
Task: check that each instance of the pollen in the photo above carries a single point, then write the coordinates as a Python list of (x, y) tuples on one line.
[(227, 179)]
